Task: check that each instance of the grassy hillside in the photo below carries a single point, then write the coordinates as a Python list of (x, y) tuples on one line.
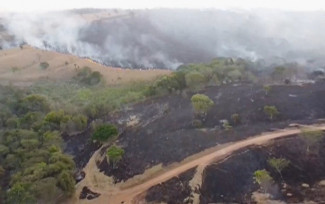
[(28, 65)]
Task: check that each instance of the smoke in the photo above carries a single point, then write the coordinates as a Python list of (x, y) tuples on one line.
[(167, 38)]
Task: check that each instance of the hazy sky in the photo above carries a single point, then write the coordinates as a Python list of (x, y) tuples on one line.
[(44, 5)]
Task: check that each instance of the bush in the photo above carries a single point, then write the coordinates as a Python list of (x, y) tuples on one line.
[(115, 154), (263, 178), (194, 80), (66, 182), (44, 65), (88, 77), (201, 103), (34, 103), (12, 122), (105, 132)]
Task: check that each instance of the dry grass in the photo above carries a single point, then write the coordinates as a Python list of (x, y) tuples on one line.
[(21, 67)]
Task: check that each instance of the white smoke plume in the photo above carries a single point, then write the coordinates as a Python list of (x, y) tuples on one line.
[(166, 38)]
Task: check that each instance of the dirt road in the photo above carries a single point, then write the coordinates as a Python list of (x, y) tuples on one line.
[(128, 196)]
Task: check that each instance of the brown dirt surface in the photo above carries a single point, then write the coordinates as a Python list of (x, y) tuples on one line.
[(129, 195), (21, 67)]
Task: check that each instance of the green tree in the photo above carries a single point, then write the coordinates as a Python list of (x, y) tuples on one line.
[(263, 178), (34, 103), (201, 103), (19, 194), (115, 154), (311, 137), (271, 111), (66, 182), (105, 132), (2, 172), (194, 80), (278, 164)]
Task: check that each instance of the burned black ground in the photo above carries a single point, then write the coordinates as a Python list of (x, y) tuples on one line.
[(173, 191), (232, 180), (166, 134)]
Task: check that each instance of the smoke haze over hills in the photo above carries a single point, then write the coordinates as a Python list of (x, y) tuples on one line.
[(167, 38)]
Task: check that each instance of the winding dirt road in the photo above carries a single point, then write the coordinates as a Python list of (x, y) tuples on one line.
[(129, 195)]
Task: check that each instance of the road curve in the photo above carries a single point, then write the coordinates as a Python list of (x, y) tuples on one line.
[(128, 196)]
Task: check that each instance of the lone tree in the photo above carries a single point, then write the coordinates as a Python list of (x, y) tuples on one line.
[(311, 137), (115, 154), (201, 103), (271, 111), (104, 132), (278, 164), (263, 178)]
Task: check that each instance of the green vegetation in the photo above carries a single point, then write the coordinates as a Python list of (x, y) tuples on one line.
[(44, 65), (201, 103), (14, 69), (87, 77), (104, 132), (197, 76), (263, 178), (278, 164), (311, 137), (115, 154), (271, 111), (30, 150)]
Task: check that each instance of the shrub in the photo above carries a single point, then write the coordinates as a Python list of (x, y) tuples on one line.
[(66, 182), (14, 69), (271, 111), (30, 119), (4, 150), (88, 77), (44, 65), (104, 132), (194, 80), (115, 154), (201, 103), (34, 103), (12, 122), (263, 178)]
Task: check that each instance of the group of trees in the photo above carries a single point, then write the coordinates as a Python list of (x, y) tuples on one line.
[(33, 167), (88, 77), (264, 178), (197, 76)]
